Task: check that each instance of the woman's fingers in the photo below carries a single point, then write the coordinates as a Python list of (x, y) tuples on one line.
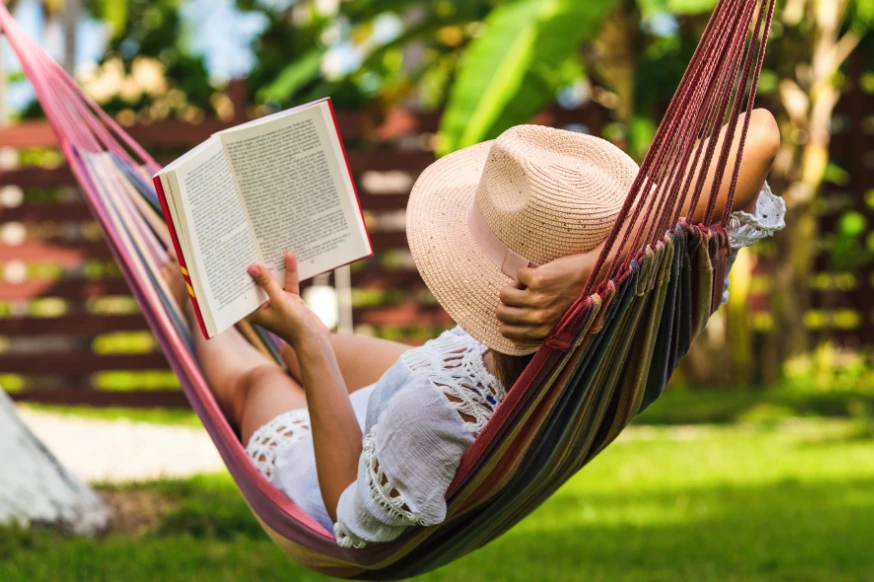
[(529, 277), (525, 333), (521, 315), (514, 295), (265, 279), (292, 283)]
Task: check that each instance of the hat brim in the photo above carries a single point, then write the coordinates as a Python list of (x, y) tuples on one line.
[(460, 275)]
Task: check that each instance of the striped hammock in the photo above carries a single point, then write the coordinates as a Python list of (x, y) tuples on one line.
[(609, 357)]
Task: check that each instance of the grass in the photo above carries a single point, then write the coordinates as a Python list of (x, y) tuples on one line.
[(788, 500), (185, 417), (732, 406)]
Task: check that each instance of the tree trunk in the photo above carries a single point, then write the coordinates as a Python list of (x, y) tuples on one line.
[(35, 488)]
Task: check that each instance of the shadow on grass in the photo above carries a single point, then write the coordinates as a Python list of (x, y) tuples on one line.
[(783, 531), (731, 406), (789, 530)]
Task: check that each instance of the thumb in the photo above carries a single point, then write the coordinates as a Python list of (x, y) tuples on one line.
[(528, 277), (292, 282), (265, 279)]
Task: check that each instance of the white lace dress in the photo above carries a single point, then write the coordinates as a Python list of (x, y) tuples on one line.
[(418, 420)]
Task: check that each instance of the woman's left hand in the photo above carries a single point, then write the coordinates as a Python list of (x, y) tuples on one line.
[(285, 313), (532, 305)]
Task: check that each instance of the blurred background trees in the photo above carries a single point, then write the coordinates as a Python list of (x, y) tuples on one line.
[(491, 64)]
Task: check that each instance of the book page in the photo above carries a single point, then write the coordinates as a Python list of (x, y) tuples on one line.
[(297, 191), (220, 237)]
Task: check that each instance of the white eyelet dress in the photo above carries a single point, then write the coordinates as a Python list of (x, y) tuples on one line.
[(418, 420)]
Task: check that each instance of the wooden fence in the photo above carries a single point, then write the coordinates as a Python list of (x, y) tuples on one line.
[(71, 334)]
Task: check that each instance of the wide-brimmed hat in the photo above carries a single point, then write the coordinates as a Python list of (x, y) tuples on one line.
[(477, 216)]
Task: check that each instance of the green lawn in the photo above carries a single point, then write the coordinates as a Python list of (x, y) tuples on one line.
[(770, 501)]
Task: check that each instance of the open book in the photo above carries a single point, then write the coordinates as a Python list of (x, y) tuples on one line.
[(250, 194)]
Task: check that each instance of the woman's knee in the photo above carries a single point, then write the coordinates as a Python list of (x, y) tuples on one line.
[(269, 384)]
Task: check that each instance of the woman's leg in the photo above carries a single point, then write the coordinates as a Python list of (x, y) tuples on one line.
[(362, 360), (250, 387)]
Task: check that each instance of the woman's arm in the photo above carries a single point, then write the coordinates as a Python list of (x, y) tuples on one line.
[(336, 433), (532, 305)]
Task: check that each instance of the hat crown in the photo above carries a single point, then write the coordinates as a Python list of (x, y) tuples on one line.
[(549, 193)]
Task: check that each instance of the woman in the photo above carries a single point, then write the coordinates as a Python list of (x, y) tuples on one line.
[(365, 435)]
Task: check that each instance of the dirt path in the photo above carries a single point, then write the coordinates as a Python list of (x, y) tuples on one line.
[(114, 451)]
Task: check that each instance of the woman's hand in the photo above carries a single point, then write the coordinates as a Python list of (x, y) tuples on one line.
[(285, 313), (532, 305)]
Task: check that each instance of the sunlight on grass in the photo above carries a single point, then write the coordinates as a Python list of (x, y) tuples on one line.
[(756, 502)]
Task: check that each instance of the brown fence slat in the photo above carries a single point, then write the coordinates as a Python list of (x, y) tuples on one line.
[(385, 160), (407, 314), (359, 161), (79, 362), (377, 278), (83, 324), (61, 212), (104, 398), (383, 241), (65, 253), (175, 133), (384, 201), (37, 177), (66, 288)]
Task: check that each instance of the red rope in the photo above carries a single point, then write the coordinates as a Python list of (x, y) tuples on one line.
[(711, 94)]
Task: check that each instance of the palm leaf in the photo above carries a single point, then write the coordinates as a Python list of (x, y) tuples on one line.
[(675, 7), (296, 75), (114, 12), (503, 76)]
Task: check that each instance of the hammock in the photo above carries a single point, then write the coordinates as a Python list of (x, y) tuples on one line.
[(609, 357)]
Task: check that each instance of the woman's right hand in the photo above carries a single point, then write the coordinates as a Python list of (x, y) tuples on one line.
[(532, 305), (285, 313)]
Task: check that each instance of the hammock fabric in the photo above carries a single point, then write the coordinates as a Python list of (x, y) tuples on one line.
[(609, 357)]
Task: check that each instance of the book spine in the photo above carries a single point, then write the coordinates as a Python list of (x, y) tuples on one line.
[(168, 218), (349, 172)]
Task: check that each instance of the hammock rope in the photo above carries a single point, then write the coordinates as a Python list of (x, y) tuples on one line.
[(609, 357)]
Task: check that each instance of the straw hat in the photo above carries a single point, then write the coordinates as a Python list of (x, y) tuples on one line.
[(477, 216)]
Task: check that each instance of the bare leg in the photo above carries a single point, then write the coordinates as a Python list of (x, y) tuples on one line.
[(250, 387), (362, 360)]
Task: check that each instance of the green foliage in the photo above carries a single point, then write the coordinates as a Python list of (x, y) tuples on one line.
[(287, 55), (847, 246), (861, 15), (506, 74), (153, 29), (293, 78), (114, 12), (675, 7), (695, 407)]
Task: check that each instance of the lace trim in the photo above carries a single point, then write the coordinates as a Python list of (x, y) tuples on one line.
[(745, 229), (381, 492), (454, 363), (286, 429), (345, 539)]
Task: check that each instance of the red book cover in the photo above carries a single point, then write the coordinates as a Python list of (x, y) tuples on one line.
[(351, 176), (169, 220)]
